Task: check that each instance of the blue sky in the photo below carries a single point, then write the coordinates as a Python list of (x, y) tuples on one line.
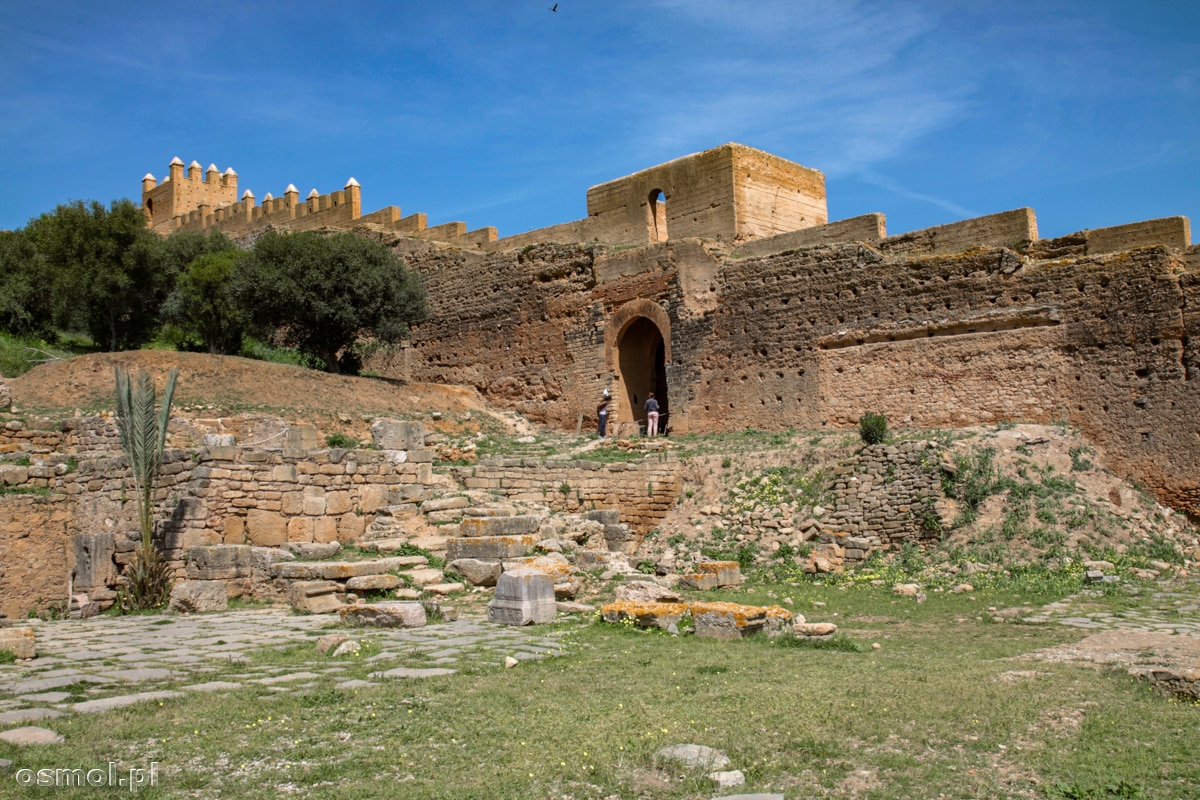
[(504, 113)]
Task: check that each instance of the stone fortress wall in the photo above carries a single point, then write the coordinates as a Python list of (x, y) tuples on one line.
[(717, 282)]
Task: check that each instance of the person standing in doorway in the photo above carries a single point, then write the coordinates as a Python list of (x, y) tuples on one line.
[(602, 417), (651, 415)]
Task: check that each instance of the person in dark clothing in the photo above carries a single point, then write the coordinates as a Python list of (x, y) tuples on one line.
[(602, 417)]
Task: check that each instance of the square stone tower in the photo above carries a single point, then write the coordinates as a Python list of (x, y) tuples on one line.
[(732, 192), (179, 194)]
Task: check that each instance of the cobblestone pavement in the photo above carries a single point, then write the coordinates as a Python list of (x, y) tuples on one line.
[(93, 665), (1169, 610), (89, 666)]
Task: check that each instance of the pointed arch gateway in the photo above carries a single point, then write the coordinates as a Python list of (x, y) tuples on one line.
[(637, 350)]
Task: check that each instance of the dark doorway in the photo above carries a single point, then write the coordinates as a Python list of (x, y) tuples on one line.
[(642, 359)]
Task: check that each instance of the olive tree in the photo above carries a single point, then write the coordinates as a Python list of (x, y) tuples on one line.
[(322, 293)]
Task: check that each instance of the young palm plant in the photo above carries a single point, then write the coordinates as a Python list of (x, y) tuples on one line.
[(143, 433)]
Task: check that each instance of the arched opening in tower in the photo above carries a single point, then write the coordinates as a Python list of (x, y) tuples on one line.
[(641, 357)]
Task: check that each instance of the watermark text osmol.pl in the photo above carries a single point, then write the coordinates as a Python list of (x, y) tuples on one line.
[(132, 779)]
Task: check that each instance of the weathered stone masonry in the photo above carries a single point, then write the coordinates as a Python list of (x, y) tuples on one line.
[(816, 336), (69, 516)]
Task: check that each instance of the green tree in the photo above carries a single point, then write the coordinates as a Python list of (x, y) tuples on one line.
[(203, 305), (182, 248), (24, 289), (104, 271), (321, 294), (143, 433)]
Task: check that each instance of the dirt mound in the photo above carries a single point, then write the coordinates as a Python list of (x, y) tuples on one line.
[(229, 386)]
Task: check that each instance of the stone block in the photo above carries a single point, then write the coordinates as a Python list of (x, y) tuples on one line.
[(489, 547), (523, 597), (605, 516), (394, 434), (645, 592), (351, 527), (94, 560), (425, 576), (374, 583), (443, 517), (323, 604), (314, 501), (388, 614), (330, 641), (21, 642), (477, 572), (302, 438), (299, 529), (337, 503), (313, 549), (553, 565), (194, 596), (325, 529), (343, 570), (645, 614), (500, 526), (265, 528), (444, 504), (701, 582), (728, 573), (219, 562), (727, 621)]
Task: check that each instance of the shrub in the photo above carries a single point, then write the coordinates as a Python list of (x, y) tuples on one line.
[(873, 428), (341, 440)]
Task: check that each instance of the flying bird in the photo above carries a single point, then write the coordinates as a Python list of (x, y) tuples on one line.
[(554, 8)]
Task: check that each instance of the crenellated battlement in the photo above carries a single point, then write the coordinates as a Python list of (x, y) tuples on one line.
[(758, 202)]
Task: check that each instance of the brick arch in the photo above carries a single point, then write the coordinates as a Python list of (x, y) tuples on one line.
[(625, 316)]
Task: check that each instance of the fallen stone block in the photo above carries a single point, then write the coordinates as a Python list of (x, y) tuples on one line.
[(727, 621), (348, 647), (728, 573), (330, 641), (388, 614), (444, 589), (316, 597), (374, 583), (814, 630), (778, 620), (693, 756), (489, 547), (188, 597), (425, 576), (21, 642), (645, 614), (477, 572), (523, 597), (645, 592), (554, 565), (702, 582), (343, 570)]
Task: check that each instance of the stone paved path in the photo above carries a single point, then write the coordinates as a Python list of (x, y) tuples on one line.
[(91, 666), (1175, 610)]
